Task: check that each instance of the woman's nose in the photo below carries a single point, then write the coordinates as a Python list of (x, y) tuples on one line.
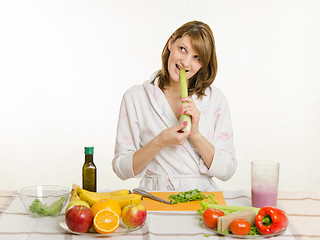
[(186, 61)]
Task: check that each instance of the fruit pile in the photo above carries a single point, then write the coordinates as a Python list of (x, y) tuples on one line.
[(102, 212)]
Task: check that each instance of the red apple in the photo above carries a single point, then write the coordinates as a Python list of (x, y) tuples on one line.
[(134, 215), (79, 218)]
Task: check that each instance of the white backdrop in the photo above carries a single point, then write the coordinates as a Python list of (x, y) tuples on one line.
[(64, 66)]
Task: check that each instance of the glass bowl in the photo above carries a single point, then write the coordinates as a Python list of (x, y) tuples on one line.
[(44, 200)]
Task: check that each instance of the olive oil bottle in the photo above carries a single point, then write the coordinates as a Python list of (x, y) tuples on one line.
[(89, 171)]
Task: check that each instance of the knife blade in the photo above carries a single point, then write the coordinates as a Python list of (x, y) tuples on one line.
[(149, 195)]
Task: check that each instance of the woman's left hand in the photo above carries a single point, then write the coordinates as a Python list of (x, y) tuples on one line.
[(188, 106)]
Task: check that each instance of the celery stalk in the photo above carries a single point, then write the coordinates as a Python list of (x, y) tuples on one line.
[(184, 93), (225, 208)]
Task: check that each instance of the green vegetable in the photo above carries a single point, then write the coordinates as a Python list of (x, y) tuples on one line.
[(254, 230), (43, 210), (188, 196), (225, 208), (184, 93)]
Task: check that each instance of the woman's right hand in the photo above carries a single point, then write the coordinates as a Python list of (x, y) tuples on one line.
[(169, 136), (173, 135)]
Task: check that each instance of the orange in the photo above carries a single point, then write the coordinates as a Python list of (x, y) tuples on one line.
[(109, 204), (106, 221)]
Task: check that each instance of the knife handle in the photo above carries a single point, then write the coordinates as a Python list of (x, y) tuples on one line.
[(141, 192)]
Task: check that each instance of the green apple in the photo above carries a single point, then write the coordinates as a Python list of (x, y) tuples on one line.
[(77, 202), (134, 215)]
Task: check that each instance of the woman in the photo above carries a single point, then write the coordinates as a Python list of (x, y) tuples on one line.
[(150, 143)]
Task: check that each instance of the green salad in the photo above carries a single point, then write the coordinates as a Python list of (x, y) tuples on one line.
[(188, 196)]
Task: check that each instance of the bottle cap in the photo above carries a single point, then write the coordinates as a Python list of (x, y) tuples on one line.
[(88, 150)]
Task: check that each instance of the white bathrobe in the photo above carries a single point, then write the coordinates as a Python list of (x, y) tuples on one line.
[(145, 112)]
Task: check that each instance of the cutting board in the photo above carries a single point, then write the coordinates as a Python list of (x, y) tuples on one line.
[(152, 205)]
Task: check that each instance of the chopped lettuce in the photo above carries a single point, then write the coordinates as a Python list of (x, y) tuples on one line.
[(188, 196), (43, 210), (254, 230)]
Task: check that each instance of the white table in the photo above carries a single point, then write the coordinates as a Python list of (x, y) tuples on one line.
[(303, 209)]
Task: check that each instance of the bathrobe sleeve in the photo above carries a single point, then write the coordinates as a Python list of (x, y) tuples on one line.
[(128, 138), (224, 163)]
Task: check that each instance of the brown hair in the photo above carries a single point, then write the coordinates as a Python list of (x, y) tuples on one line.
[(203, 41)]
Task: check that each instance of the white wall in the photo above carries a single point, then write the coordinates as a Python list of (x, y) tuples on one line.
[(64, 66)]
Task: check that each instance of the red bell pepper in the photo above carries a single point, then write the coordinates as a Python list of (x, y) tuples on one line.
[(271, 220)]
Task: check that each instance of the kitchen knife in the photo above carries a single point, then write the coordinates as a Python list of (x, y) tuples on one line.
[(149, 195)]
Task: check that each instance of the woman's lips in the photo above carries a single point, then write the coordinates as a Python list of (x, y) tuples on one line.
[(177, 69), (177, 66)]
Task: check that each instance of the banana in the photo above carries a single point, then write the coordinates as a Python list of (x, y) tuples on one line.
[(92, 197), (125, 200), (74, 198), (74, 193)]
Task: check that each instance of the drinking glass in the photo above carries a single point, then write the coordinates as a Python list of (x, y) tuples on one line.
[(264, 183)]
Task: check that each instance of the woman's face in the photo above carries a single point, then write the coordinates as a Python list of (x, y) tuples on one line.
[(182, 55)]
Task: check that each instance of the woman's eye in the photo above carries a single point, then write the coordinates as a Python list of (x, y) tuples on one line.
[(197, 58), (182, 49)]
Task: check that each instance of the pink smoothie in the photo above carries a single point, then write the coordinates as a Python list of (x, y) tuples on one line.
[(264, 198)]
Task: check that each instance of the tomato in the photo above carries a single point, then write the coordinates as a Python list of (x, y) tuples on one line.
[(240, 227), (210, 217)]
